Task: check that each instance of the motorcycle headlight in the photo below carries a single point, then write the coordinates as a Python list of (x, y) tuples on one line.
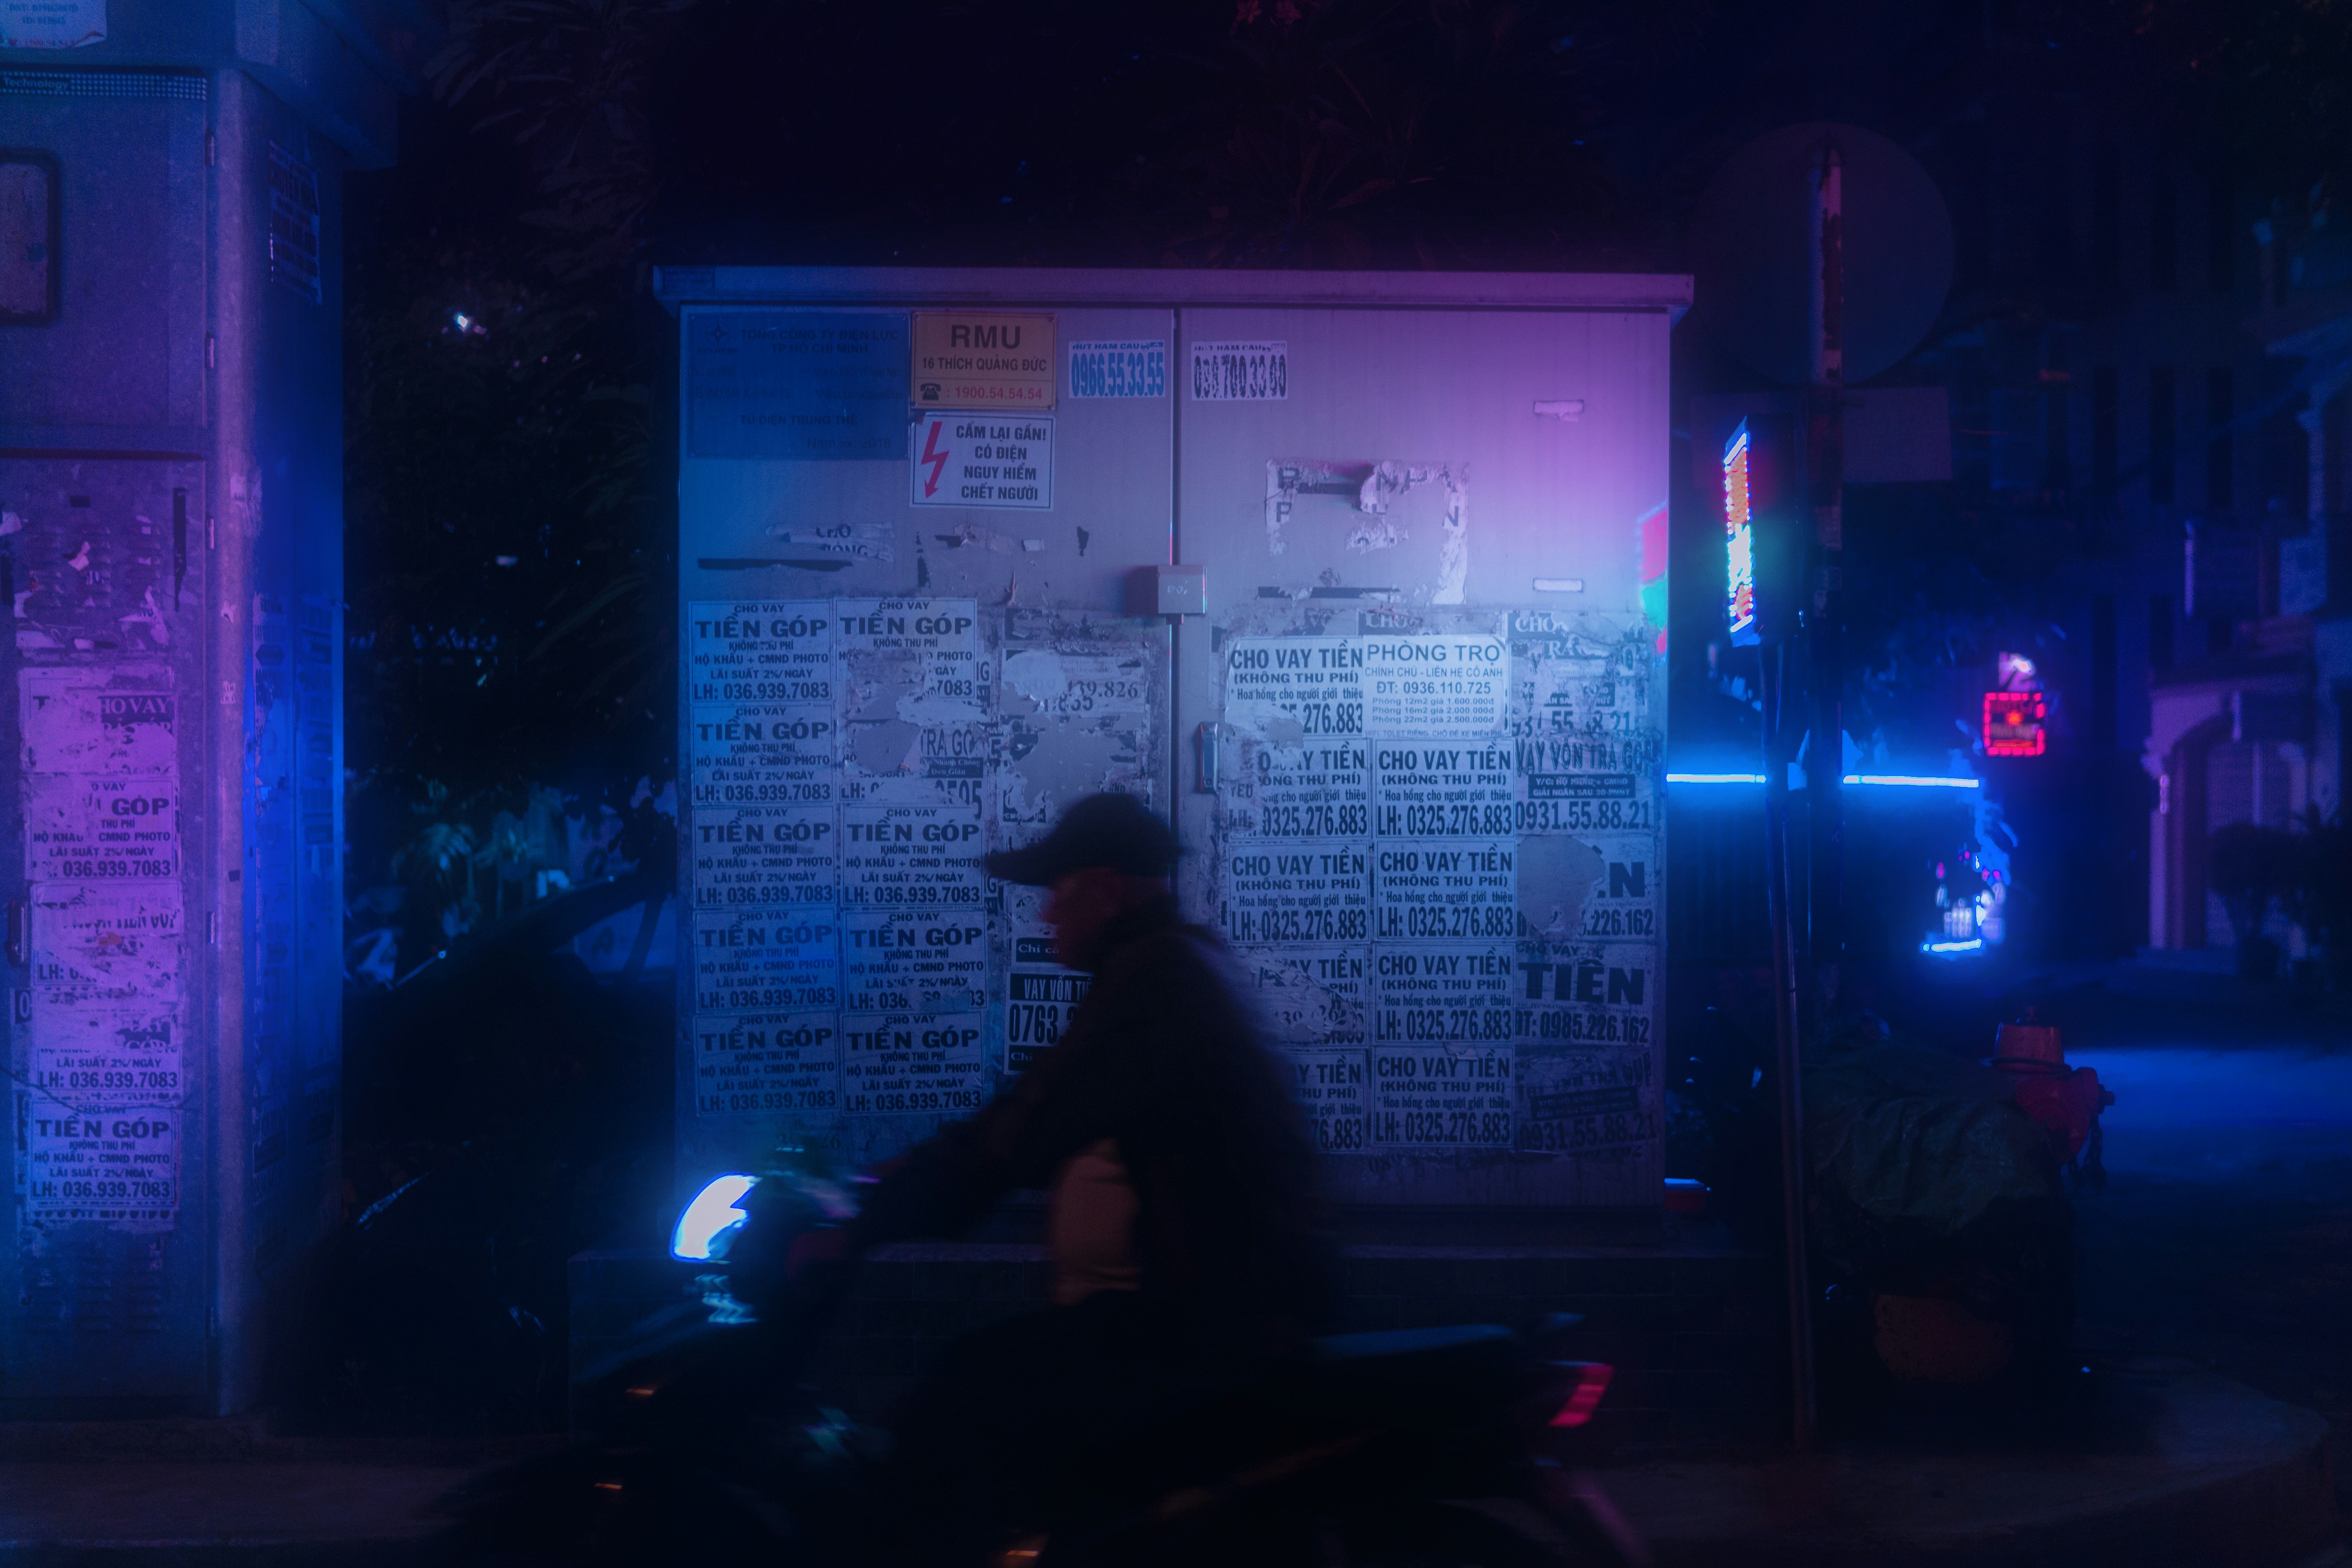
[(715, 1209)]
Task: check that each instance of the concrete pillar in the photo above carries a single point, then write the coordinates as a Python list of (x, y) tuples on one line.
[(171, 439)]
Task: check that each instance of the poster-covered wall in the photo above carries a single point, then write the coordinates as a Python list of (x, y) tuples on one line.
[(1414, 746), (854, 978)]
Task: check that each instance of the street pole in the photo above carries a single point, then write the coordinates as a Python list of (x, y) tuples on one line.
[(1786, 1024), (1825, 462)]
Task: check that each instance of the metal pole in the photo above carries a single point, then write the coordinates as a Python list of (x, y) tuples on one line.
[(1785, 1026), (1826, 453)]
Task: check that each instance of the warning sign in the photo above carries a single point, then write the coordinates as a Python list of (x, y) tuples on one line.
[(971, 461), (983, 361)]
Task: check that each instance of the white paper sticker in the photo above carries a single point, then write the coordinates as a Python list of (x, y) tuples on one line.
[(761, 754), (1439, 687), (78, 828), (1443, 789), (912, 1064), (763, 961), (771, 1064), (1000, 461), (1240, 372), (1442, 1096), (1311, 891), (762, 855), (762, 650), (1136, 367), (1430, 994), (1445, 890), (912, 857), (896, 961), (121, 1168)]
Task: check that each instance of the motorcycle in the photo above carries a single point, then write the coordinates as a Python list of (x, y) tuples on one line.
[(1413, 1449)]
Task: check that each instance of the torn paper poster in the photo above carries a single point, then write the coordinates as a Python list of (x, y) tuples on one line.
[(101, 944), (1290, 689), (858, 541), (124, 721), (79, 828), (1330, 1088), (1327, 517), (914, 960), (1309, 994), (108, 1059), (914, 701), (1591, 1104)]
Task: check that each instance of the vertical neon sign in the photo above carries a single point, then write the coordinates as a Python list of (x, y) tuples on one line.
[(1739, 538)]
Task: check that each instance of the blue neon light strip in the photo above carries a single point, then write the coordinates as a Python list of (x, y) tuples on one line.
[(1876, 781), (1973, 945)]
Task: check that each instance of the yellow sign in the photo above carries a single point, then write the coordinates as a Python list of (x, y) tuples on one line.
[(969, 361)]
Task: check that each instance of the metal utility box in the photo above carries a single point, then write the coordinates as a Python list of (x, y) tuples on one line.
[(1415, 744), (171, 494)]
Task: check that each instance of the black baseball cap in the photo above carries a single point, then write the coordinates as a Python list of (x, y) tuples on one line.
[(1115, 832)]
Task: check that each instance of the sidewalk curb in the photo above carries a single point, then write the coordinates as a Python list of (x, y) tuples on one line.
[(2225, 1476)]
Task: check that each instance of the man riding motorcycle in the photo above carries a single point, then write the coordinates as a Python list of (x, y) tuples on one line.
[(1190, 1246)]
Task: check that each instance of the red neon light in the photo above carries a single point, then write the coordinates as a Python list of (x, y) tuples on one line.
[(1592, 1382), (2012, 724)]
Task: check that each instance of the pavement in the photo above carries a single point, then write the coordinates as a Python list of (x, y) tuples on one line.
[(2195, 1470), (2216, 1292)]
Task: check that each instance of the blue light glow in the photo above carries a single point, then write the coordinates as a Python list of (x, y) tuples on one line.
[(1868, 780), (713, 1210), (1974, 944), (1912, 781)]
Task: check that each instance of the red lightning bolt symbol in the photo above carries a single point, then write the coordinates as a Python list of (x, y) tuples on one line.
[(934, 457)]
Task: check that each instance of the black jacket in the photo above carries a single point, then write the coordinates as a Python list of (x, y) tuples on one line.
[(1164, 1059)]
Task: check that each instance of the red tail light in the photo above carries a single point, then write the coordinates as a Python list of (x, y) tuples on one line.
[(1591, 1382)]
